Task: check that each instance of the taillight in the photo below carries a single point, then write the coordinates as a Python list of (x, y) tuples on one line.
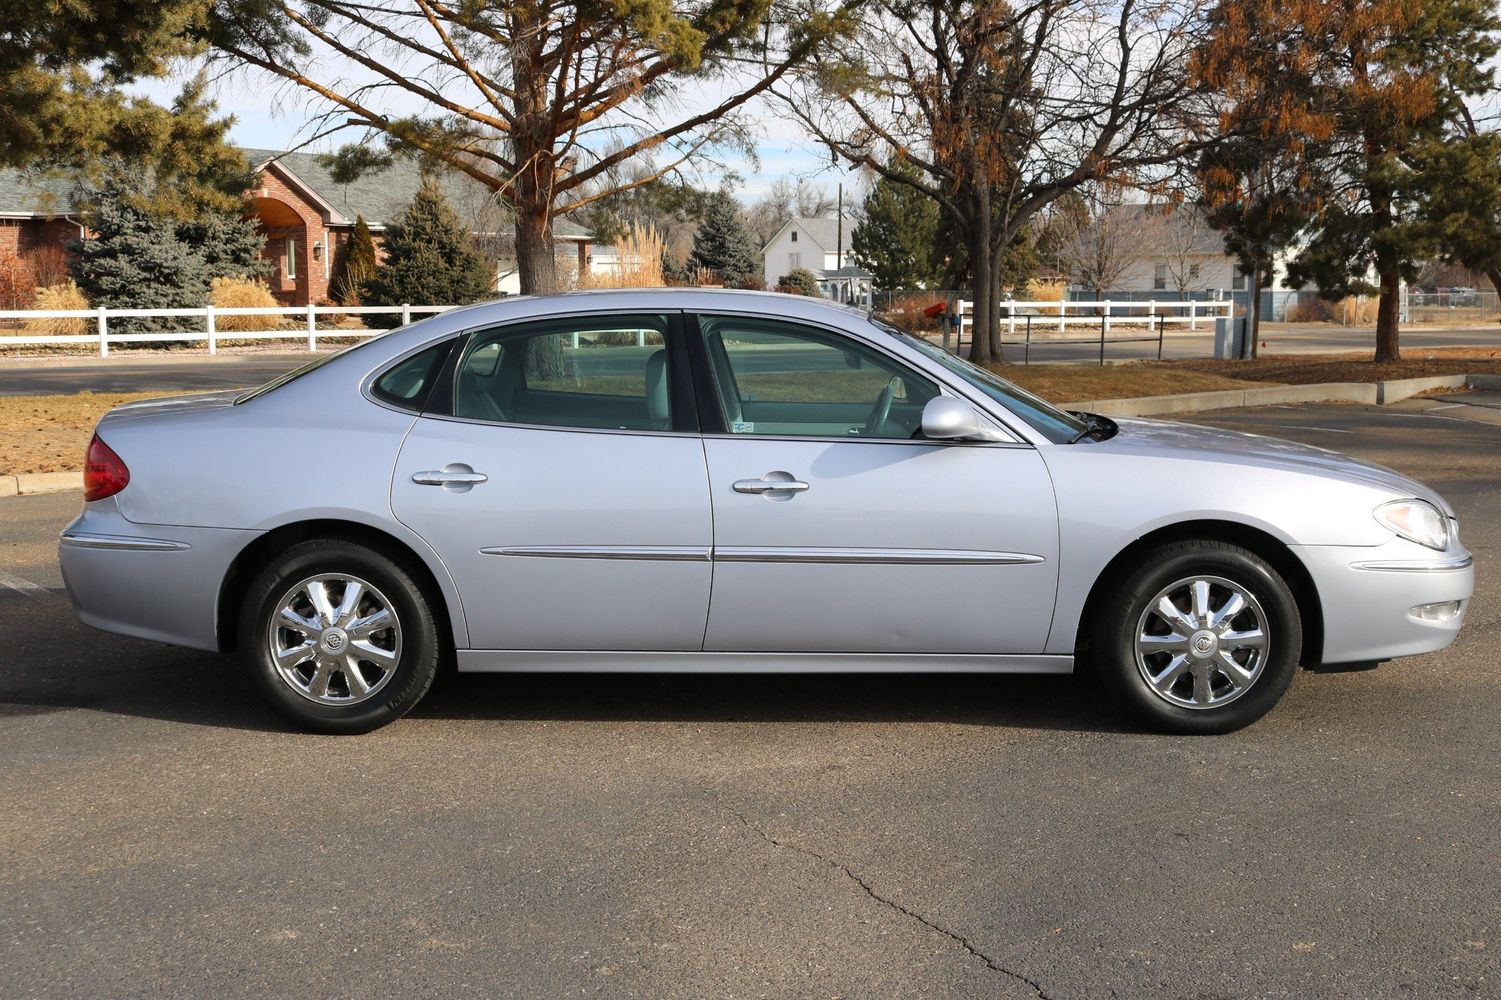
[(104, 474)]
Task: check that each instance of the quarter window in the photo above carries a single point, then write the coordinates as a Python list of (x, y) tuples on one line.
[(408, 383), (611, 373), (782, 379)]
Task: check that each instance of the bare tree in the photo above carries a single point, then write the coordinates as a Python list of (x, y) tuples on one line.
[(1180, 237), (535, 99), (1001, 107), (786, 200), (997, 108), (1116, 237)]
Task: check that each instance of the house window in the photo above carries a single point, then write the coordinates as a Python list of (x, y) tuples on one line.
[(289, 265), (1238, 282), (794, 261), (1193, 271), (794, 236), (1159, 277)]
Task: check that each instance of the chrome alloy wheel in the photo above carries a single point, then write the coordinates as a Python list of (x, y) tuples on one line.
[(335, 639), (1202, 642)]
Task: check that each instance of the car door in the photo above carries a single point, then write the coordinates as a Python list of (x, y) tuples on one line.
[(837, 528), (560, 477)]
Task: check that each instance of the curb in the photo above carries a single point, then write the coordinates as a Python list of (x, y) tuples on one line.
[(1368, 393), (40, 482)]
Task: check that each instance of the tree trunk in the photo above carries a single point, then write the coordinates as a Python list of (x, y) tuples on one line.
[(981, 282), (535, 263), (1494, 274), (1388, 311)]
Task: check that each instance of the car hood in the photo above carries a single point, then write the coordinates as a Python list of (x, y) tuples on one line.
[(1211, 443), (196, 402)]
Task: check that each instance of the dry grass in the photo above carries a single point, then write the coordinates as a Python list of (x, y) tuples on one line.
[(50, 433), (239, 293), (1074, 383), (64, 296), (639, 252)]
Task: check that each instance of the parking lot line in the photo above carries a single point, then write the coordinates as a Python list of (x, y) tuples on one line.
[(22, 586)]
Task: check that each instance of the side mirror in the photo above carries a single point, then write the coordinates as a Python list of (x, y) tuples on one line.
[(945, 418)]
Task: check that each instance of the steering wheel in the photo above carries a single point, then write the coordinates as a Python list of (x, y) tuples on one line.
[(881, 409)]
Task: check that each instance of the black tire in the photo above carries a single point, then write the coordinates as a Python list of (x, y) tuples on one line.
[(417, 643), (1113, 652)]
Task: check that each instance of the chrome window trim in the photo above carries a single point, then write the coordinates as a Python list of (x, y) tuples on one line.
[(123, 543)]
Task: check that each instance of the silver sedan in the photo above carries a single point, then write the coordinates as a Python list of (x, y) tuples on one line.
[(682, 480)]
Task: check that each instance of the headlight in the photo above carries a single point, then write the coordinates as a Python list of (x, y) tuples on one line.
[(1417, 521)]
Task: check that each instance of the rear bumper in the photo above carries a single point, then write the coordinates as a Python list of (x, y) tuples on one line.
[(156, 582), (1370, 596)]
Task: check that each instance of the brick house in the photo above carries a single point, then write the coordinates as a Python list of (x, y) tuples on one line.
[(305, 215)]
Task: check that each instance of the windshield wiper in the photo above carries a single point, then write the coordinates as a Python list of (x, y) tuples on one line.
[(1092, 422)]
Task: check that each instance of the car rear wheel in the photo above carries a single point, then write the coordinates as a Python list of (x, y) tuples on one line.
[(338, 637), (1201, 637)]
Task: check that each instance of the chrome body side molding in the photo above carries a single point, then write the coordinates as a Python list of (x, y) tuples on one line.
[(909, 557), (669, 553), (90, 540), (770, 554), (1417, 565)]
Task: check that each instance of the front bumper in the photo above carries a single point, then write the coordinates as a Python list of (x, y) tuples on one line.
[(156, 582), (1370, 596)]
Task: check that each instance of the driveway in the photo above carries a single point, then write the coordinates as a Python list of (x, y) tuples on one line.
[(162, 835)]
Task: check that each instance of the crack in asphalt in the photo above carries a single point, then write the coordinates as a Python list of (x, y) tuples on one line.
[(958, 939)]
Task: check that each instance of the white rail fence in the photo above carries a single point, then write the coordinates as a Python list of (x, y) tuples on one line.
[(1050, 321), (205, 330), (1059, 316)]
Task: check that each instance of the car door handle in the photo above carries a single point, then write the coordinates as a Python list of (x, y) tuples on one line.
[(769, 486), (456, 476)]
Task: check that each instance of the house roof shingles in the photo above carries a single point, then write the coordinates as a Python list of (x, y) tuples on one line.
[(380, 196)]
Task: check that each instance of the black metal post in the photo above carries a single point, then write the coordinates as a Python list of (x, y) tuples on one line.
[(1027, 352), (1161, 327), (1104, 316)]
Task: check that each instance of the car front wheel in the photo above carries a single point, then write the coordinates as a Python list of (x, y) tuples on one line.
[(1200, 637), (338, 637)]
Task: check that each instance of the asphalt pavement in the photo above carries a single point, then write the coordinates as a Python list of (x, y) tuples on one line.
[(162, 834)]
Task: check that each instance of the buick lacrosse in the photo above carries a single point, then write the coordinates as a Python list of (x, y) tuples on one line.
[(686, 480)]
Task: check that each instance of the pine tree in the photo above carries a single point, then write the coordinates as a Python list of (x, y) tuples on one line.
[(723, 244), (230, 246), (354, 265), (137, 261), (897, 240), (430, 257)]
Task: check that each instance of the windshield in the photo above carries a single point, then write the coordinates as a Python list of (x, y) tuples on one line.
[(1058, 426), (311, 366)]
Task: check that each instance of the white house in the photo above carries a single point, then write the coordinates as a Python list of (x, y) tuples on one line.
[(1166, 251), (820, 246)]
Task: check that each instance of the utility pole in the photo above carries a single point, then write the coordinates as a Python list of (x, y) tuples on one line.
[(839, 229)]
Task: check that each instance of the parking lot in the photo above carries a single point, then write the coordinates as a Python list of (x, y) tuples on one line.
[(162, 834)]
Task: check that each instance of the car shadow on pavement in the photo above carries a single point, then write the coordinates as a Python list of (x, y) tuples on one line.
[(963, 699), (173, 685), (53, 664)]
